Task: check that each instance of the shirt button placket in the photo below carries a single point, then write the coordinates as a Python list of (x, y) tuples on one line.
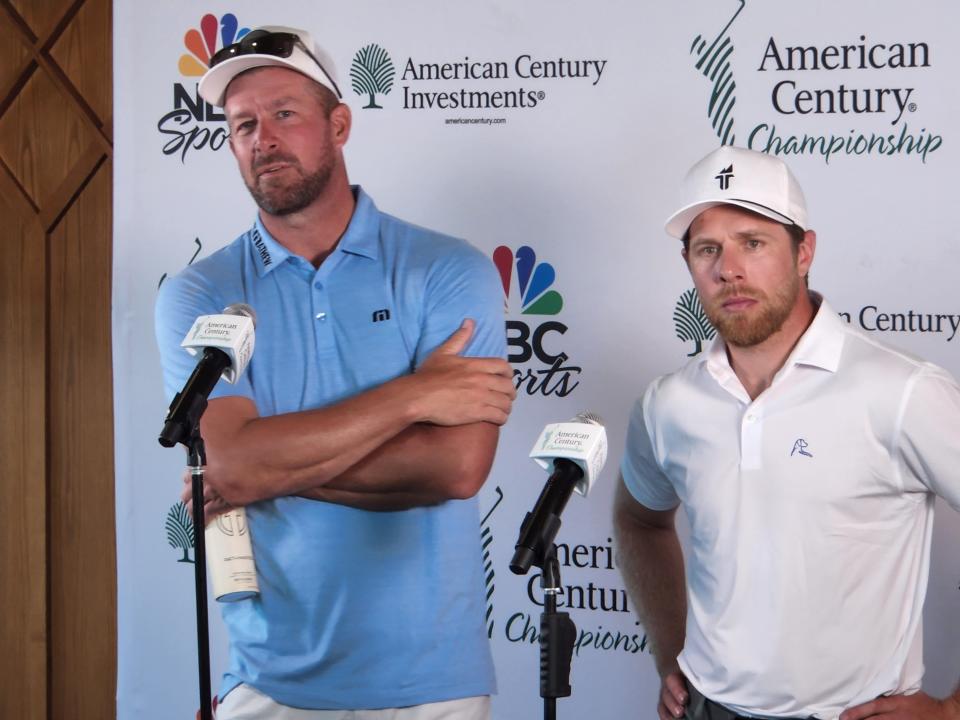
[(321, 314), (751, 438)]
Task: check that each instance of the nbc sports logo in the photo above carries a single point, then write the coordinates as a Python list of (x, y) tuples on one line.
[(534, 343), (194, 124), (201, 43), (534, 280)]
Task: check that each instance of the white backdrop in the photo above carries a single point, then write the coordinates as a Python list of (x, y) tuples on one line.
[(581, 170)]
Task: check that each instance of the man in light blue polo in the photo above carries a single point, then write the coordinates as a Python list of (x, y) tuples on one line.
[(365, 424)]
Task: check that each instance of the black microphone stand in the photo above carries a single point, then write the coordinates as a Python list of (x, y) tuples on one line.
[(557, 636), (196, 459), (557, 630), (182, 425)]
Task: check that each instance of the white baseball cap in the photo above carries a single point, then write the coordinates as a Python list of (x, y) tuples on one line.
[(271, 45), (736, 176)]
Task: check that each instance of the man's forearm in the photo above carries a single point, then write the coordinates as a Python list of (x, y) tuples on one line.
[(253, 458), (427, 461), (651, 562), (374, 501)]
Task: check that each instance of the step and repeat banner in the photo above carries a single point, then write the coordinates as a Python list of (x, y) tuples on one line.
[(553, 135)]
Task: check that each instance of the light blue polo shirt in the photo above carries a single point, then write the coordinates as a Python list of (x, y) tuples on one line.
[(357, 609)]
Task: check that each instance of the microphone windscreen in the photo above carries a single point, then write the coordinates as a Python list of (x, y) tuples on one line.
[(588, 417), (241, 309)]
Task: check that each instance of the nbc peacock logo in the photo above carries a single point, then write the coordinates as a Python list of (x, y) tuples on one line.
[(533, 279), (539, 367), (201, 42), (195, 124)]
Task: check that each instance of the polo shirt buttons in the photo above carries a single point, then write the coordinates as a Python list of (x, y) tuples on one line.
[(321, 316)]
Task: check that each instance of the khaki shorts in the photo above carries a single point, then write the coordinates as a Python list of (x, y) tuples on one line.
[(246, 703)]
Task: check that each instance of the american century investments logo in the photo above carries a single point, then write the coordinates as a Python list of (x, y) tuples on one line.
[(187, 126), (873, 101), (371, 74), (690, 321), (526, 338), (461, 82), (180, 530)]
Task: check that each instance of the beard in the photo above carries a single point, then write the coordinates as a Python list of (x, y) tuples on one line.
[(746, 329), (283, 198)]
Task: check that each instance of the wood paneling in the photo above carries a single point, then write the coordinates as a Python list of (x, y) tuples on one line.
[(57, 539), (82, 564), (14, 55), (42, 136), (23, 543), (75, 54), (42, 15)]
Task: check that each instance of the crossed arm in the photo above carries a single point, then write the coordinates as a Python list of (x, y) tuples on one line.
[(417, 440)]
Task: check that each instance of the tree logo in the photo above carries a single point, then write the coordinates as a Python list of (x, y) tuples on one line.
[(180, 530), (372, 73), (713, 62), (691, 322)]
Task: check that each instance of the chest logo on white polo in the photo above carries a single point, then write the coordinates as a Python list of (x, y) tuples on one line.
[(800, 448)]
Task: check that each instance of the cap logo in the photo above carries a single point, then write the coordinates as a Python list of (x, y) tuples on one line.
[(724, 176)]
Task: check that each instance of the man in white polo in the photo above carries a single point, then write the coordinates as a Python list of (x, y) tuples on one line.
[(807, 458)]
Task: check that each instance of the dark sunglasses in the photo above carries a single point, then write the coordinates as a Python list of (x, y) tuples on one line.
[(264, 42)]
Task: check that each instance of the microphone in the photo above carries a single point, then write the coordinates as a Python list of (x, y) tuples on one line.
[(575, 451), (225, 345)]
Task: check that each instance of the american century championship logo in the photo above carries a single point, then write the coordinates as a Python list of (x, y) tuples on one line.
[(486, 541), (793, 100), (713, 62), (372, 73), (188, 125), (690, 321), (526, 338)]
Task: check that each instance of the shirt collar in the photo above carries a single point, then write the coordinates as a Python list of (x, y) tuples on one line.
[(267, 253), (360, 238), (820, 346)]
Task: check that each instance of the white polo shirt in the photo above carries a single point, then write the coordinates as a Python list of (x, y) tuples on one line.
[(811, 511)]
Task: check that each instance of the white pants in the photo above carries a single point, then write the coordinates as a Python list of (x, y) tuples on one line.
[(246, 703)]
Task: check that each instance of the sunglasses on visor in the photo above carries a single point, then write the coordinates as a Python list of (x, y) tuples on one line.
[(263, 42)]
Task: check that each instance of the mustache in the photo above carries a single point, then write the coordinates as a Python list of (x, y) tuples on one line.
[(739, 291), (272, 159)]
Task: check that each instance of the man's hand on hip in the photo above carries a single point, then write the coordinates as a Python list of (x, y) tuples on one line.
[(455, 390), (674, 696), (918, 706)]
